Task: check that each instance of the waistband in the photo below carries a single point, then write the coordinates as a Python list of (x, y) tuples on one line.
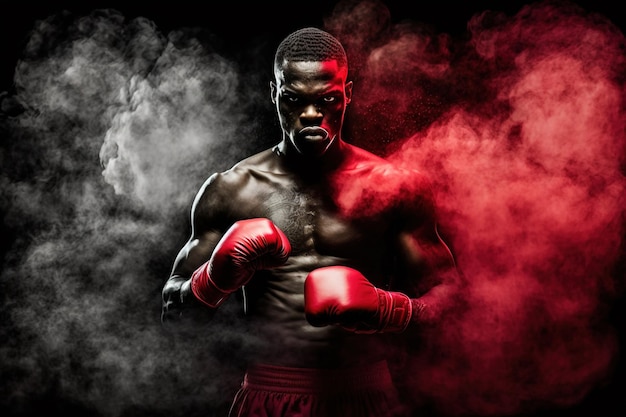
[(301, 380)]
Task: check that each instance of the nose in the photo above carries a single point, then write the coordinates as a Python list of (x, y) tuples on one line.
[(311, 113)]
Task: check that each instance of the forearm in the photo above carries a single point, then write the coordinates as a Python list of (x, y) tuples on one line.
[(180, 306), (423, 312), (247, 246), (431, 308)]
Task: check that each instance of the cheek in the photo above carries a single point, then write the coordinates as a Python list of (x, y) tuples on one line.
[(335, 113), (290, 121), (287, 112), (286, 117), (333, 119)]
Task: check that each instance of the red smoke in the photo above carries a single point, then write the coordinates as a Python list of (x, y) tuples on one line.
[(522, 130), (520, 125)]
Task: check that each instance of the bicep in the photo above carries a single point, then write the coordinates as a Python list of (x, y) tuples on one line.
[(196, 252), (177, 300), (424, 259), (425, 256), (207, 227)]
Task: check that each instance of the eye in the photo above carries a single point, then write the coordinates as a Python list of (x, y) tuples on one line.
[(291, 98), (330, 99)]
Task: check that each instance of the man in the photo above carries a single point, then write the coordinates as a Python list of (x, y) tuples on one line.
[(333, 249)]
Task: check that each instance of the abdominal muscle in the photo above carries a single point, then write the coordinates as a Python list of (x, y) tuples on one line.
[(275, 309)]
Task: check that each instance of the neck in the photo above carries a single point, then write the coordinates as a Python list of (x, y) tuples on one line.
[(328, 161)]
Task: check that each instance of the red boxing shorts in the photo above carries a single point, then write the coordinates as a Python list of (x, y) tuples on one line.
[(276, 391)]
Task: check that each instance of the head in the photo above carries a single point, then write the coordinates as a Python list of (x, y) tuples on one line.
[(310, 90)]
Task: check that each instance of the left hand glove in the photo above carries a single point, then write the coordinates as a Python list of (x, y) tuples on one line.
[(343, 296)]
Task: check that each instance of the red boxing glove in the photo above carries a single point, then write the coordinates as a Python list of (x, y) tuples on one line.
[(343, 296), (249, 245)]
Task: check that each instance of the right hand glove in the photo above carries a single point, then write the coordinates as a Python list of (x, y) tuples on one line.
[(249, 245)]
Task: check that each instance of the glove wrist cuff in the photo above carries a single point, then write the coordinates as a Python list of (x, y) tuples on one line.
[(395, 311), (205, 290)]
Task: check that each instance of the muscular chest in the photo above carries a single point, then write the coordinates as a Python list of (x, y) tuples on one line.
[(315, 223)]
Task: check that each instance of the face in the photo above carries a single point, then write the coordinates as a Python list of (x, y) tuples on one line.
[(311, 100)]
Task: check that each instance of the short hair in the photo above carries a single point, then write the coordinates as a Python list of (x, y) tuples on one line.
[(310, 44)]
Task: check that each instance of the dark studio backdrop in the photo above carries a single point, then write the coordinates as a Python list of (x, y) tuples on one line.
[(112, 115)]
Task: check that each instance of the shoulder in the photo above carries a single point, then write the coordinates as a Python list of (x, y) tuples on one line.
[(258, 162), (410, 187), (388, 175), (239, 173), (217, 198), (363, 157), (406, 191)]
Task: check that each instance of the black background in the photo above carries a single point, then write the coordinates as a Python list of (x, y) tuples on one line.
[(237, 23)]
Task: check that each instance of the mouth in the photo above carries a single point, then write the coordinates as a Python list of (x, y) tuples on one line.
[(314, 134)]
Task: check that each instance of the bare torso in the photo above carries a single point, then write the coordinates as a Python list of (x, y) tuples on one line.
[(337, 219)]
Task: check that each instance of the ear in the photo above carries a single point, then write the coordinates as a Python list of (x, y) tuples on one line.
[(273, 91), (348, 92)]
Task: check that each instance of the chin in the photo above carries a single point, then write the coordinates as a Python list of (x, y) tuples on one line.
[(315, 150)]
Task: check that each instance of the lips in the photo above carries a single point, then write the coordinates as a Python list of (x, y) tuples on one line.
[(314, 133)]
